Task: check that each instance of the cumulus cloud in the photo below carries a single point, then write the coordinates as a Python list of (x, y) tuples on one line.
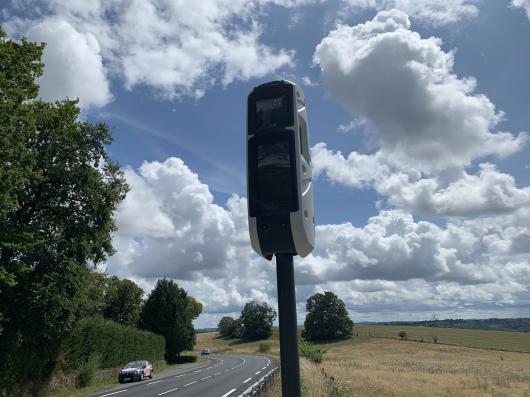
[(175, 48), (424, 116), (170, 226), (74, 66), (436, 12), (426, 124), (524, 4)]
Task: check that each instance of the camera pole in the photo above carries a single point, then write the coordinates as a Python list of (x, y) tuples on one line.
[(290, 365)]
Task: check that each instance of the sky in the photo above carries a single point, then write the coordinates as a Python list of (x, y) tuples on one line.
[(418, 120)]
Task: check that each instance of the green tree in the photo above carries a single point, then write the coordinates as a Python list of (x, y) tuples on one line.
[(256, 319), (169, 311), (226, 326), (58, 192), (326, 318), (123, 301)]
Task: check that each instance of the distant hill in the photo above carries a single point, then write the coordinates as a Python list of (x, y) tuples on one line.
[(203, 330), (497, 324)]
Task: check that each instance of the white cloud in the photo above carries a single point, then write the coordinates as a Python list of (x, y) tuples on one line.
[(436, 12), (424, 116), (524, 4), (74, 65), (173, 47)]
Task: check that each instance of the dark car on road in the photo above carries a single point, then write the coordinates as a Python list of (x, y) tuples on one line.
[(205, 352), (136, 370)]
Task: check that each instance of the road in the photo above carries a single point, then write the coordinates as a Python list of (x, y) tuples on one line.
[(223, 376)]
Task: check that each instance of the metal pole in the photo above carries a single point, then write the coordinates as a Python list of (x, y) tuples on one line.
[(288, 328)]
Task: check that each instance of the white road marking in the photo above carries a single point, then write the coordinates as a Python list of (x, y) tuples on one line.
[(208, 377), (199, 370), (257, 373), (247, 380), (167, 391), (116, 392), (178, 376), (230, 392), (218, 373), (189, 384), (264, 367), (156, 381)]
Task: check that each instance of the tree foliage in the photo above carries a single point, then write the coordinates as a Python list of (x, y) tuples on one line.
[(58, 192), (256, 319), (225, 326), (169, 311), (123, 301), (327, 318)]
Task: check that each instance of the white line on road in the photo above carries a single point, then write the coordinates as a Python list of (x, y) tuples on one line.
[(230, 392), (218, 373), (167, 391), (116, 392), (247, 380), (257, 373), (156, 381), (208, 377), (178, 376), (191, 383), (264, 367)]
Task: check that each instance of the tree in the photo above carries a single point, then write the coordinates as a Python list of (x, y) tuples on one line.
[(402, 335), (256, 320), (326, 318), (59, 190), (169, 311), (123, 301), (226, 327)]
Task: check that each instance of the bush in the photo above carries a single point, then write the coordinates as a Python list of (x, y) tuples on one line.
[(88, 370), (311, 351), (402, 335), (435, 339), (264, 347), (116, 344)]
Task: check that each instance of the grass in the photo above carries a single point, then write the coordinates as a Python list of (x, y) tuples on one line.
[(381, 365), (497, 340)]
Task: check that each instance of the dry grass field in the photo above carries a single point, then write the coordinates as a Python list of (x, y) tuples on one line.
[(380, 367)]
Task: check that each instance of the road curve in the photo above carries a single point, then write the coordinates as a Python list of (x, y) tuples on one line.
[(223, 376)]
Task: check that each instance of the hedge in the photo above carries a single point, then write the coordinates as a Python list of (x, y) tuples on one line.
[(114, 343)]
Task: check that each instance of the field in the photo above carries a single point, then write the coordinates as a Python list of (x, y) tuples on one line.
[(382, 365)]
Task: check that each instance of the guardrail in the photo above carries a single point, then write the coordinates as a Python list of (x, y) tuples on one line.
[(262, 386)]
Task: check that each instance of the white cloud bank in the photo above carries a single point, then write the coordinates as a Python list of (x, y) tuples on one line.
[(169, 226), (175, 48), (427, 124), (524, 4)]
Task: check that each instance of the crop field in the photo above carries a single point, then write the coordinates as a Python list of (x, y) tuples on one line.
[(499, 340), (382, 365)]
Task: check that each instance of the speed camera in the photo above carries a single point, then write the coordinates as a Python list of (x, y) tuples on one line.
[(279, 181)]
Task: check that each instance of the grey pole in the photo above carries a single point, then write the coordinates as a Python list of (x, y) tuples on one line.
[(288, 328)]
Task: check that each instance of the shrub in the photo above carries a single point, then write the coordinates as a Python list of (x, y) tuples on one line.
[(435, 339), (311, 351), (87, 370), (402, 335), (116, 344), (264, 347)]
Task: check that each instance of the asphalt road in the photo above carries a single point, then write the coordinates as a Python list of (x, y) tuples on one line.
[(223, 376)]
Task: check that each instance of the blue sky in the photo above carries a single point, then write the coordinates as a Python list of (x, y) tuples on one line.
[(417, 118)]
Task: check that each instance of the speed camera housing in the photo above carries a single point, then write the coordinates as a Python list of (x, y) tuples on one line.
[(279, 174)]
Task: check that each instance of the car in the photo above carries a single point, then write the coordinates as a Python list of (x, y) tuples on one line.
[(136, 371), (205, 352)]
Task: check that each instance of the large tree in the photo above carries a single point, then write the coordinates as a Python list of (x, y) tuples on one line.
[(58, 192), (123, 301), (256, 319), (326, 318), (169, 311)]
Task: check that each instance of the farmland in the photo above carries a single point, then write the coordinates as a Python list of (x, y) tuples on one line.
[(383, 365)]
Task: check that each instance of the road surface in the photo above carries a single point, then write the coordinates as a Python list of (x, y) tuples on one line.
[(223, 376)]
